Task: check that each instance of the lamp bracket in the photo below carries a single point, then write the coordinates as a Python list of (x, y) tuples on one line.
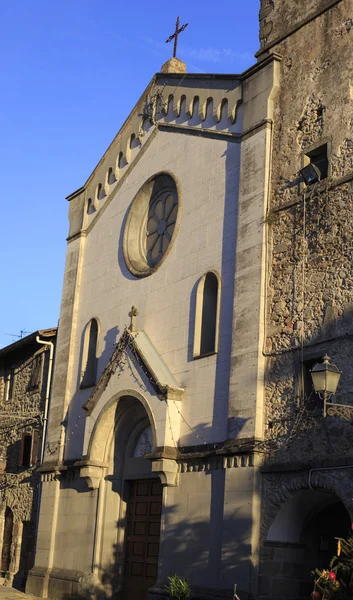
[(340, 410)]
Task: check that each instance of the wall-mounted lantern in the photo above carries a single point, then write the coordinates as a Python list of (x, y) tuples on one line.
[(325, 377), (310, 174)]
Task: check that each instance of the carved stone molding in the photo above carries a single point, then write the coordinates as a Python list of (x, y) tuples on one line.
[(167, 470), (50, 476), (92, 474), (167, 97), (174, 394), (217, 462), (129, 341)]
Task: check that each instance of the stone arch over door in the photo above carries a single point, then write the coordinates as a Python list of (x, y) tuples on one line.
[(129, 498), (99, 446), (300, 525), (278, 488)]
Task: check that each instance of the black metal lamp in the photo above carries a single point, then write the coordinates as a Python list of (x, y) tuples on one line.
[(310, 174)]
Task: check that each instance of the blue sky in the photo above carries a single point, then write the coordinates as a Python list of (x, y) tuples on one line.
[(72, 71)]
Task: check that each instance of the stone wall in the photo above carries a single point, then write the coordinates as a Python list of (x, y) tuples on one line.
[(310, 278), (280, 18), (309, 284)]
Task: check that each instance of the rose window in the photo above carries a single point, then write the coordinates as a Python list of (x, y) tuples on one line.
[(151, 225), (162, 216)]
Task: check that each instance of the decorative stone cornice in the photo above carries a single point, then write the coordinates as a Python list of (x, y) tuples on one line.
[(214, 463), (198, 98), (49, 476)]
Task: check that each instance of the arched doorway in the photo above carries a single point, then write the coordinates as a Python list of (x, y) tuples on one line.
[(7, 540), (137, 497), (301, 538)]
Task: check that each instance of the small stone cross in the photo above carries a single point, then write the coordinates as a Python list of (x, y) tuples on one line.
[(176, 35), (133, 314)]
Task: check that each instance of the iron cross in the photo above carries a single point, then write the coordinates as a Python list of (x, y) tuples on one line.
[(176, 34)]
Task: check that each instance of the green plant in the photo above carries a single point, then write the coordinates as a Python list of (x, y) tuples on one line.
[(271, 218), (178, 588), (336, 582)]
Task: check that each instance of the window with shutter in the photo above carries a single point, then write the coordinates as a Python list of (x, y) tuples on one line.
[(36, 373), (35, 439), (9, 384), (26, 450)]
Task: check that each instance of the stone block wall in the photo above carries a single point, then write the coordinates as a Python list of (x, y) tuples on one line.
[(280, 18), (310, 278), (283, 571)]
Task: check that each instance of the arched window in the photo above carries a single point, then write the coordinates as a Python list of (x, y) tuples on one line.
[(89, 355), (207, 315)]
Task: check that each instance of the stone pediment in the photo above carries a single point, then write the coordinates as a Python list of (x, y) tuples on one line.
[(147, 359), (193, 101)]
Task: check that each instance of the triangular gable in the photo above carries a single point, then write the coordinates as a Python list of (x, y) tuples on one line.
[(166, 94), (146, 356)]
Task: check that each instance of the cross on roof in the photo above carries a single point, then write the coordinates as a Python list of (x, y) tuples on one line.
[(176, 34)]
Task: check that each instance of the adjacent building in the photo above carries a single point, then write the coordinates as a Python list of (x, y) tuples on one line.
[(25, 378)]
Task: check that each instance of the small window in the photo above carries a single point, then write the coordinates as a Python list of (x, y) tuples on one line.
[(89, 357), (9, 385), (36, 373), (28, 449), (207, 315), (319, 158)]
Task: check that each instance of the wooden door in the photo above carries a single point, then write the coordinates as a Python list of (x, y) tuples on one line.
[(144, 511), (7, 540)]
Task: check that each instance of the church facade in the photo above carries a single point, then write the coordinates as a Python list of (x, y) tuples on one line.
[(200, 288)]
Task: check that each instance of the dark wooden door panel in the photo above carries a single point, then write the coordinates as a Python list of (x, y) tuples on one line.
[(142, 538)]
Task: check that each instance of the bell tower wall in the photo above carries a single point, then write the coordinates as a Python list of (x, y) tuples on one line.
[(280, 19)]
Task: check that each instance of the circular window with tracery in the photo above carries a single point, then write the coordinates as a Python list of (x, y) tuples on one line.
[(151, 225)]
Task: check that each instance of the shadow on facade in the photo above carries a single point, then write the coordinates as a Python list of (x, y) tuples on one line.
[(304, 476), (182, 541), (219, 417)]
